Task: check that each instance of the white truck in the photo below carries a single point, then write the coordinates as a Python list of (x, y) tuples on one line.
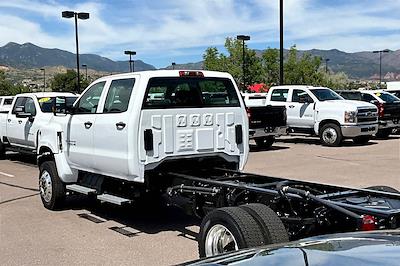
[(19, 126), (119, 143), (322, 112)]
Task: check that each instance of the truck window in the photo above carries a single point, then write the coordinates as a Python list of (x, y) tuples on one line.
[(19, 102), (368, 98), (30, 106), (326, 94), (118, 96), (300, 93), (190, 92), (8, 101), (89, 101), (387, 97), (46, 103), (279, 95)]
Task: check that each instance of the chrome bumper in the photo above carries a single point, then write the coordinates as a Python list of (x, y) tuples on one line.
[(352, 131), (388, 124), (260, 132)]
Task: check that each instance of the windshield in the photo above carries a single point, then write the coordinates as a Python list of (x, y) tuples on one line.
[(46, 103), (387, 97), (326, 94), (351, 95)]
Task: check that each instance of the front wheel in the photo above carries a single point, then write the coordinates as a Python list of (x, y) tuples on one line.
[(361, 139), (228, 229), (331, 135), (52, 189), (265, 143)]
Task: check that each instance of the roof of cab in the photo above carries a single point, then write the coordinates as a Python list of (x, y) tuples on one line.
[(47, 94), (164, 73)]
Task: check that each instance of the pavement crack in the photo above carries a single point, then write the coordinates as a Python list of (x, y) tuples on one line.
[(19, 198), (21, 187)]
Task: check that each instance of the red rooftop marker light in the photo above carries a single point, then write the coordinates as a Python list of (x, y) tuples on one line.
[(191, 74)]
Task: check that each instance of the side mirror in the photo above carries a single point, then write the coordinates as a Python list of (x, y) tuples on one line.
[(60, 106)]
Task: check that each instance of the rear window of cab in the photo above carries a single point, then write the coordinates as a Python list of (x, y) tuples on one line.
[(190, 92)]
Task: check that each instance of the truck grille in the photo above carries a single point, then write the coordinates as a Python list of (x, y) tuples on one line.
[(367, 115)]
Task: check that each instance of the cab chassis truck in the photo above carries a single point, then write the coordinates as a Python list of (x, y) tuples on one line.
[(90, 150)]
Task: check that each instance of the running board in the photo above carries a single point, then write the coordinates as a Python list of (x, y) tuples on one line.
[(113, 199), (81, 189)]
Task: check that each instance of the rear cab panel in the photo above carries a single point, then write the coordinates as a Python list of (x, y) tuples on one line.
[(194, 115)]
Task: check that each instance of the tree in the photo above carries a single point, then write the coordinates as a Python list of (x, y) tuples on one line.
[(270, 66), (66, 82), (7, 88)]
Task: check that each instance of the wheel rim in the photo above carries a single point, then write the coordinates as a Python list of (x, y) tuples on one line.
[(46, 190), (219, 240), (329, 135)]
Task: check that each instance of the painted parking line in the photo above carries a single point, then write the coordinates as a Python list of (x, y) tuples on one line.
[(5, 174)]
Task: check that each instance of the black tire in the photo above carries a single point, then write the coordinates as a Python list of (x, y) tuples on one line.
[(361, 139), (272, 227), (331, 135), (265, 142), (384, 189), (2, 151), (383, 133), (243, 227), (57, 197)]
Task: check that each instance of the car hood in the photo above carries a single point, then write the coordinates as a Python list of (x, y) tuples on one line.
[(350, 105), (363, 248)]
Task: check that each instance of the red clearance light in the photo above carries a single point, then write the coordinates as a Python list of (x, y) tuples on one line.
[(191, 74), (381, 109), (368, 223), (248, 113)]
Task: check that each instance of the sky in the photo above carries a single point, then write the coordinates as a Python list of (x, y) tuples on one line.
[(165, 31)]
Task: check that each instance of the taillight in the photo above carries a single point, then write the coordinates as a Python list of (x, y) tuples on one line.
[(368, 223), (248, 113), (381, 109), (191, 74)]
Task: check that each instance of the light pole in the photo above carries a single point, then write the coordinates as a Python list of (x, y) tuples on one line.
[(380, 63), (326, 64), (131, 62), (85, 66), (243, 38), (281, 42), (76, 15), (44, 79), (173, 65)]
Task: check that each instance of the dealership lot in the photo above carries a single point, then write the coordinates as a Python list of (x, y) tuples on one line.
[(147, 234)]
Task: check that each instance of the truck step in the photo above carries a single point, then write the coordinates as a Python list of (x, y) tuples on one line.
[(81, 189), (113, 199)]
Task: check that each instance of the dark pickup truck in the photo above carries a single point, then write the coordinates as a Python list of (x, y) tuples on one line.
[(265, 122), (388, 108)]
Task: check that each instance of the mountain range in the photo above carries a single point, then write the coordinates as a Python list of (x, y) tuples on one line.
[(359, 65)]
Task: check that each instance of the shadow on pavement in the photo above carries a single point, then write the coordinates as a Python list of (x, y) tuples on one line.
[(140, 217), (23, 159), (315, 141), (254, 148)]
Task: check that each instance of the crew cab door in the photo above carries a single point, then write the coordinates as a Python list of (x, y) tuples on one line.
[(300, 109), (111, 130), (188, 116), (79, 132), (20, 131)]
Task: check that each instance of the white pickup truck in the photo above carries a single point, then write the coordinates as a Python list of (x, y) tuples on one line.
[(320, 111), (19, 126)]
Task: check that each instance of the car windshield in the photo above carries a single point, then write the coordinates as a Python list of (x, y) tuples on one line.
[(351, 96), (387, 97), (326, 94), (46, 103)]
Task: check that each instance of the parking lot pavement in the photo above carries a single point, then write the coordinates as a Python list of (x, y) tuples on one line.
[(90, 233)]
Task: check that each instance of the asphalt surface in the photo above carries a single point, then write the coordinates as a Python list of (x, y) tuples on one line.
[(90, 233)]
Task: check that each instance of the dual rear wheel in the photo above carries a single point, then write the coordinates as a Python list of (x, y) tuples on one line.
[(232, 228)]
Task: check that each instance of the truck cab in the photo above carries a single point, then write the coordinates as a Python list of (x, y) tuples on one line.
[(322, 112), (128, 126)]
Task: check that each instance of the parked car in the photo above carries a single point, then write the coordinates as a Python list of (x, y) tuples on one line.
[(322, 112), (388, 110), (5, 103), (20, 126), (356, 248), (265, 121), (395, 92)]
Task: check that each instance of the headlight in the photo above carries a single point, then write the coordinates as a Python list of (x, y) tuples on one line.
[(350, 117)]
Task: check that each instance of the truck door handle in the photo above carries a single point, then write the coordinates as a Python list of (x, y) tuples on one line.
[(19, 121), (88, 124), (291, 106), (148, 140), (238, 134), (9, 120), (120, 125)]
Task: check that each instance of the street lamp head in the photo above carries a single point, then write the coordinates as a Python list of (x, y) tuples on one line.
[(84, 65), (243, 37), (173, 63), (42, 69), (68, 14), (130, 52), (327, 59), (386, 51), (83, 15)]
